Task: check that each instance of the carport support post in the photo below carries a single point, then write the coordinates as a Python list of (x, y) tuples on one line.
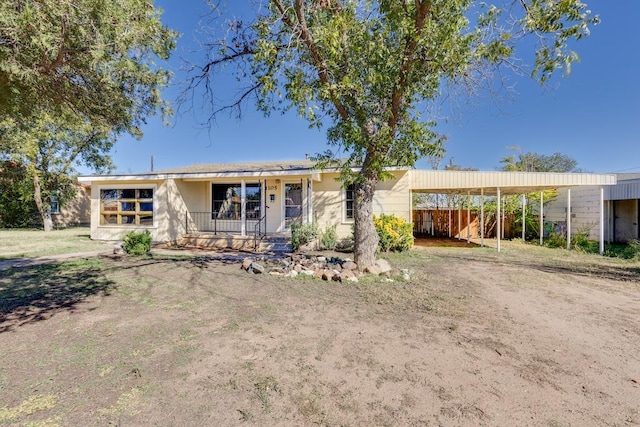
[(568, 219), (498, 219), (482, 217), (468, 217), (459, 219), (601, 220), (524, 206), (541, 218)]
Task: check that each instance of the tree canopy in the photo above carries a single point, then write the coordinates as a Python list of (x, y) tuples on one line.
[(73, 75), (367, 68), (535, 162), (95, 58)]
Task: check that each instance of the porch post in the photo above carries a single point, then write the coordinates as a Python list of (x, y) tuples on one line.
[(459, 219), (243, 208), (309, 200), (568, 219)]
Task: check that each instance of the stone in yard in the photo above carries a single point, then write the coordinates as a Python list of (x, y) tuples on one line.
[(336, 277), (297, 268), (349, 265), (326, 275), (353, 279), (374, 269), (347, 273), (291, 274), (384, 266), (307, 273), (322, 259), (117, 249), (246, 263), (275, 273), (256, 268)]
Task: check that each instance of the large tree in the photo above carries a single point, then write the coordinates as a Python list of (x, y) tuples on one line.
[(74, 74), (95, 58), (367, 69)]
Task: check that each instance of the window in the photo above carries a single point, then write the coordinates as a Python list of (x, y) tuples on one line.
[(130, 206), (54, 204), (348, 203), (226, 201)]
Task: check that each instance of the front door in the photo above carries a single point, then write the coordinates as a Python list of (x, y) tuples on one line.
[(292, 204)]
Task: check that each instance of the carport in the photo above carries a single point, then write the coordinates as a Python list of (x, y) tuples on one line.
[(484, 183)]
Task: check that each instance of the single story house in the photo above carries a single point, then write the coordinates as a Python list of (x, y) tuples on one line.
[(266, 198)]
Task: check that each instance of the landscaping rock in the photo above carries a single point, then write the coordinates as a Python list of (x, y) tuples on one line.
[(349, 265), (374, 269), (384, 266), (117, 249), (353, 279), (291, 274), (256, 268), (246, 263), (308, 273)]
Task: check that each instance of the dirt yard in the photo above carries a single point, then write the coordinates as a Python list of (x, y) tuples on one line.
[(528, 337)]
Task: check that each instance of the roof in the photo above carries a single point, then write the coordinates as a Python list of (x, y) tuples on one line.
[(216, 170), (478, 182)]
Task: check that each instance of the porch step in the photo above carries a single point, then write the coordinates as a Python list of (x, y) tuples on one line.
[(276, 244)]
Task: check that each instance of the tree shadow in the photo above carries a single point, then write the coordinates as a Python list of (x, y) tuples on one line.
[(35, 293)]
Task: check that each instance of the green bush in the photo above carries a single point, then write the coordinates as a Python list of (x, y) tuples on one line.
[(329, 238), (137, 243), (301, 234), (395, 233), (555, 241)]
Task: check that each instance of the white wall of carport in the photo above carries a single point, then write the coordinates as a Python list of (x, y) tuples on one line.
[(585, 209)]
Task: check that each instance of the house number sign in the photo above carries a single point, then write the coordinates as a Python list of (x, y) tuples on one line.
[(272, 187)]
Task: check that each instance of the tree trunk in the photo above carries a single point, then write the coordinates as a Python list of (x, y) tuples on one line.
[(365, 235), (45, 214)]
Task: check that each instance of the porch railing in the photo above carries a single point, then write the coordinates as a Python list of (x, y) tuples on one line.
[(259, 231), (214, 222)]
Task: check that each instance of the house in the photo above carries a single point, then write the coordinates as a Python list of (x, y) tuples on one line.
[(266, 198), (75, 212)]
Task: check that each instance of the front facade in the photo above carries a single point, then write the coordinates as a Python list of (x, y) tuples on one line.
[(240, 199)]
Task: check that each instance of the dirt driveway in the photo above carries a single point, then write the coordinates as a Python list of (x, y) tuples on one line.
[(538, 338)]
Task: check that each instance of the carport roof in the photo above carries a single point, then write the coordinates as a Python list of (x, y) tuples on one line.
[(478, 182)]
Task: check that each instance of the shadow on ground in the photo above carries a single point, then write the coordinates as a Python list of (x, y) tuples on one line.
[(35, 293)]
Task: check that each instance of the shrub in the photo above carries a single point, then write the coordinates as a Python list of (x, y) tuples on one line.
[(395, 233), (301, 234), (555, 240), (329, 238), (137, 243)]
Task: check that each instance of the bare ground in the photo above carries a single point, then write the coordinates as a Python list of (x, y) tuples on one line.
[(526, 337)]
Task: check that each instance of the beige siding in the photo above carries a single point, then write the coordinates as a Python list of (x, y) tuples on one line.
[(76, 211), (392, 197), (115, 232)]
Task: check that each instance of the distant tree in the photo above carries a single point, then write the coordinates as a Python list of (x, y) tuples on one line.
[(534, 162), (50, 148), (366, 67)]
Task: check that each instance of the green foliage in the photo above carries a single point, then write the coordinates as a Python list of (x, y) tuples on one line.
[(555, 241), (534, 162), (329, 238), (95, 58), (395, 233), (137, 243), (17, 208), (301, 234)]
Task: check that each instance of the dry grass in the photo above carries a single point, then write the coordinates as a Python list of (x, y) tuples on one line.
[(33, 243)]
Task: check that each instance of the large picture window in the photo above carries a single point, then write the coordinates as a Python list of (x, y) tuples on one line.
[(226, 201), (128, 206)]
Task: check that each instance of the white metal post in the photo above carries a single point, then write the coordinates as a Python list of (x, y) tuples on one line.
[(524, 206), (243, 208), (568, 219), (499, 223), (482, 217), (601, 220), (541, 218), (468, 217)]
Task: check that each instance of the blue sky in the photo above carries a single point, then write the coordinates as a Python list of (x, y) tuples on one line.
[(593, 115)]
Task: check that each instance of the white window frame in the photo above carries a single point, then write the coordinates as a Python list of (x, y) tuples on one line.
[(130, 186), (345, 219), (53, 199)]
